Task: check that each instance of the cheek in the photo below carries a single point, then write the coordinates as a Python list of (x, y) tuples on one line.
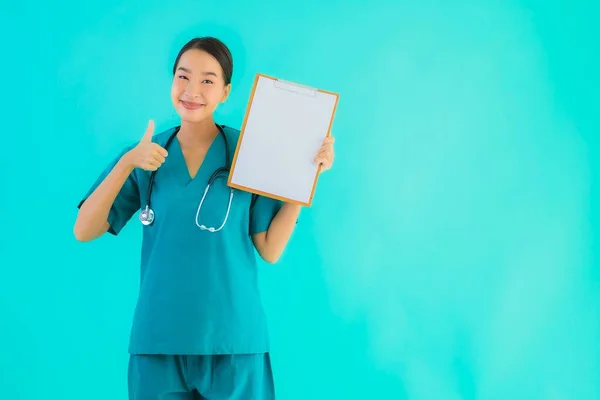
[(177, 88), (215, 96)]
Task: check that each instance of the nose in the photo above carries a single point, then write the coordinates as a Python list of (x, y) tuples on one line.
[(193, 90)]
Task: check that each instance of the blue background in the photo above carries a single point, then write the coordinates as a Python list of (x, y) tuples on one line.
[(451, 253)]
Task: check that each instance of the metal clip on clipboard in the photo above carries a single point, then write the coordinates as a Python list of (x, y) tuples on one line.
[(296, 88)]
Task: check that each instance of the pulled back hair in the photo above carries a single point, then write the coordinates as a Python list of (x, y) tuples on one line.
[(215, 48)]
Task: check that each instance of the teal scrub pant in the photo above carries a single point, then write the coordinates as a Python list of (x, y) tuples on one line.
[(196, 377)]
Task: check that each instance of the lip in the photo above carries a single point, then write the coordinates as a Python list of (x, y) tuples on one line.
[(191, 105)]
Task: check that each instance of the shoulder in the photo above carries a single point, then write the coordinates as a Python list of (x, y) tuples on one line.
[(232, 134), (161, 138)]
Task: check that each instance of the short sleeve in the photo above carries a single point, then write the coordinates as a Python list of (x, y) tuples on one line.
[(262, 213), (126, 203)]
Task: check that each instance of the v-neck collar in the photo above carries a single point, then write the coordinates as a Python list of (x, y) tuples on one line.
[(183, 164)]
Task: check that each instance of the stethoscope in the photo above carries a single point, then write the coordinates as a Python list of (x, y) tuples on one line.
[(147, 214)]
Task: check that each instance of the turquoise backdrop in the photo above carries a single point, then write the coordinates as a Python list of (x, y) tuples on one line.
[(451, 253)]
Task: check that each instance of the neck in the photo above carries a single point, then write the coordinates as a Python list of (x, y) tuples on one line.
[(194, 134)]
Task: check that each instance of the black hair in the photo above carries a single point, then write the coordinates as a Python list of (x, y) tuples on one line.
[(215, 48)]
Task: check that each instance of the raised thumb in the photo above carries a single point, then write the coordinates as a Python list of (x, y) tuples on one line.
[(149, 132)]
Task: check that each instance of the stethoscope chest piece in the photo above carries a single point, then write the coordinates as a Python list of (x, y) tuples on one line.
[(147, 216)]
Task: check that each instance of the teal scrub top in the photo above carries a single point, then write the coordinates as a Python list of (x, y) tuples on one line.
[(199, 290)]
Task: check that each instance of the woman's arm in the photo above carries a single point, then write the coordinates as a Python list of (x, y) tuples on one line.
[(92, 219), (271, 244)]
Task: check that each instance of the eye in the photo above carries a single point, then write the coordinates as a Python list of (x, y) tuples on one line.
[(182, 77), (206, 81)]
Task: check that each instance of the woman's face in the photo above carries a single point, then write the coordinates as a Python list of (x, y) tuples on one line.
[(198, 86)]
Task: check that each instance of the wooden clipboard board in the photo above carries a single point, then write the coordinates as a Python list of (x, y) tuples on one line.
[(283, 128)]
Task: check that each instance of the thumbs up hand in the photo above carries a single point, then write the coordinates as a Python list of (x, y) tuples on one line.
[(147, 155)]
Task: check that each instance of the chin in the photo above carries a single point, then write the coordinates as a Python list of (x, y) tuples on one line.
[(192, 115)]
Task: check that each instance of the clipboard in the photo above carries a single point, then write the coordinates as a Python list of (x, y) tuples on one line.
[(283, 128)]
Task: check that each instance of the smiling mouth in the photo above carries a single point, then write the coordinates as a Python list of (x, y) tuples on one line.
[(191, 106)]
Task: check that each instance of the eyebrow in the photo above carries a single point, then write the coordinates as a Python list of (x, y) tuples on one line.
[(204, 73)]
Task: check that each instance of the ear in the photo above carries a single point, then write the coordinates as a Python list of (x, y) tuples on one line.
[(226, 92)]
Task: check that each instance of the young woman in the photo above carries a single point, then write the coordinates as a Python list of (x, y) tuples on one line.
[(199, 330)]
